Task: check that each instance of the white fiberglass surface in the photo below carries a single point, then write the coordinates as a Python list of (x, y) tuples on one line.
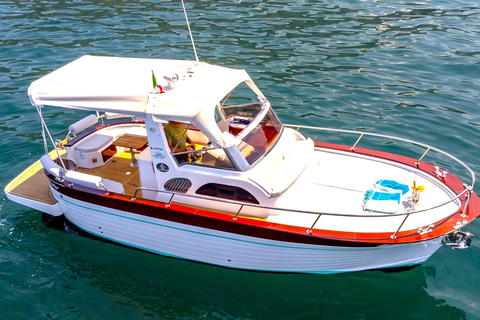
[(336, 183)]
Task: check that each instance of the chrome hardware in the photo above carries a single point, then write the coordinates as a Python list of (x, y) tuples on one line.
[(169, 201), (459, 239), (417, 163), (356, 142), (426, 230), (394, 236), (238, 212), (440, 173), (59, 144), (467, 197), (460, 224), (309, 231)]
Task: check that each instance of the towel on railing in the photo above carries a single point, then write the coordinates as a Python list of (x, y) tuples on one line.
[(384, 196)]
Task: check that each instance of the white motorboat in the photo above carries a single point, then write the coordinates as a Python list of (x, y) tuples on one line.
[(255, 194)]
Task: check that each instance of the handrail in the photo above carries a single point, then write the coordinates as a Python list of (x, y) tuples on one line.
[(472, 174), (242, 205), (468, 188)]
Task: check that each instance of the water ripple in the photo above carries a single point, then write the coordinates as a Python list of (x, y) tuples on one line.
[(401, 68)]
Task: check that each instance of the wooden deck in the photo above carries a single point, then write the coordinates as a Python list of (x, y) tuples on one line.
[(118, 169), (32, 184), (34, 187)]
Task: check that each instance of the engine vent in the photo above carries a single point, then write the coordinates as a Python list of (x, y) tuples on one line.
[(178, 185)]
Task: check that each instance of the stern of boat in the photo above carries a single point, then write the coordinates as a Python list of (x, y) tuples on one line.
[(31, 189)]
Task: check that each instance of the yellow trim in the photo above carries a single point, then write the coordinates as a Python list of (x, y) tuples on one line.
[(124, 155)]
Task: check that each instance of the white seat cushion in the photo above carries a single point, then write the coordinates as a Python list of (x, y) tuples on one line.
[(96, 143)]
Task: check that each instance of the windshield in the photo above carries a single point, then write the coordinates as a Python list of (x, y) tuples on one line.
[(260, 138)]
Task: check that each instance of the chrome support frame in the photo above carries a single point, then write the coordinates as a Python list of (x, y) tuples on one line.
[(358, 140), (440, 174), (319, 214), (169, 201), (394, 236), (238, 212), (467, 197), (146, 189), (423, 155), (309, 231)]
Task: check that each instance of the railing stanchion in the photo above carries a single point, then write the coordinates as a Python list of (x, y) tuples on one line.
[(469, 194), (313, 225), (423, 155), (170, 201), (358, 140), (393, 236), (135, 195), (238, 212)]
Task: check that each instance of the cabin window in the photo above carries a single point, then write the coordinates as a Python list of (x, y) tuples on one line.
[(226, 192), (203, 154)]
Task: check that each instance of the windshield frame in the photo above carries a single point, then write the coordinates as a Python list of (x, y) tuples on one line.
[(255, 140)]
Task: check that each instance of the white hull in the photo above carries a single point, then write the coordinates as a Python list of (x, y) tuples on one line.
[(236, 251)]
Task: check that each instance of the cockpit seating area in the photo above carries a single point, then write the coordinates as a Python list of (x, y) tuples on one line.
[(88, 152)]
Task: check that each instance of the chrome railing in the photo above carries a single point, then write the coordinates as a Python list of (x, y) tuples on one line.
[(467, 191), (423, 145)]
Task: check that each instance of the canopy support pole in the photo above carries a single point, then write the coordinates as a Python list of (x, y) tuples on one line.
[(45, 129)]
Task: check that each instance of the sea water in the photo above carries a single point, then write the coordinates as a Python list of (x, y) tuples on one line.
[(408, 69)]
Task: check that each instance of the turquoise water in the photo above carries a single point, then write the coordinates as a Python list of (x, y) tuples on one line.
[(407, 69)]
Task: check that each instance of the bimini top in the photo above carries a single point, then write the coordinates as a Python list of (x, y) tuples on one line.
[(123, 86)]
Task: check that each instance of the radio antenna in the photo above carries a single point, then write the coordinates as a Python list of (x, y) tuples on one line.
[(190, 32)]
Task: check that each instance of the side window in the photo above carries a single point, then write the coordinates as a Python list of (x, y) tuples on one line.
[(190, 137), (227, 192)]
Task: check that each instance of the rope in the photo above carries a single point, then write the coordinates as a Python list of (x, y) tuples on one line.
[(39, 110), (45, 129)]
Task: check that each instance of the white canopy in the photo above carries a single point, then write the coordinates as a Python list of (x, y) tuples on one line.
[(122, 85)]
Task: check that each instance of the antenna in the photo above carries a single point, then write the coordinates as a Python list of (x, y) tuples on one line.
[(190, 32)]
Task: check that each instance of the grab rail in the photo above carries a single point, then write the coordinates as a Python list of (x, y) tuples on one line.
[(242, 205), (468, 189), (362, 134)]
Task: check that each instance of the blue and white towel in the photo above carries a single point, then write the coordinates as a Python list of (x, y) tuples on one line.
[(384, 196)]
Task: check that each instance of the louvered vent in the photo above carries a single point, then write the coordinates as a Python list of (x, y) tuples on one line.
[(178, 185)]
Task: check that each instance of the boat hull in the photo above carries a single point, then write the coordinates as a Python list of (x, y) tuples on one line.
[(228, 249)]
